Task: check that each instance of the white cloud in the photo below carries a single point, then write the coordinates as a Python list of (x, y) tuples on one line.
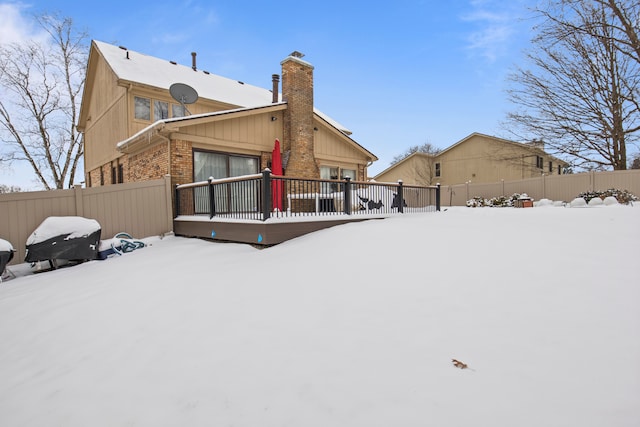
[(494, 25), (15, 26)]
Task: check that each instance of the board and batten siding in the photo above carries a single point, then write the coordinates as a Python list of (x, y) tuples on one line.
[(256, 133)]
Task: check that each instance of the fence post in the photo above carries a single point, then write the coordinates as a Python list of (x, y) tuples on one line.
[(400, 196), (347, 195), (212, 198), (266, 194), (438, 197), (79, 202), (168, 201)]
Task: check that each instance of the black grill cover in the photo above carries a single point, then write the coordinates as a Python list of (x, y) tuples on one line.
[(5, 258), (62, 246)]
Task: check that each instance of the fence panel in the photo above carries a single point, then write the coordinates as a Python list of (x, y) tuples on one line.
[(621, 180), (532, 186), (566, 187), (554, 187), (142, 209)]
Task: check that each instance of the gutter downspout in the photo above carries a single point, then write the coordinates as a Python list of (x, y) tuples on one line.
[(369, 163)]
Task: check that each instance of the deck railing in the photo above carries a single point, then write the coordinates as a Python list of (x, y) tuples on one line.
[(263, 196)]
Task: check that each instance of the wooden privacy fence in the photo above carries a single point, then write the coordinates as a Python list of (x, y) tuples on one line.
[(141, 209), (553, 187)]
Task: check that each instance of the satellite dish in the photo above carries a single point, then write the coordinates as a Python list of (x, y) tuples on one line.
[(184, 94)]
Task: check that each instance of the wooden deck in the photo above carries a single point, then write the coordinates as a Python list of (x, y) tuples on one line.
[(264, 233)]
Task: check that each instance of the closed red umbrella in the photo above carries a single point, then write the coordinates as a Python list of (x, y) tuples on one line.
[(277, 185)]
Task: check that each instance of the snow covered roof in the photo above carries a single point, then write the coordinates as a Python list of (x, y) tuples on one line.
[(144, 69)]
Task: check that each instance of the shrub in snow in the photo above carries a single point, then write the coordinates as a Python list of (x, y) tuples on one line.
[(494, 202), (476, 202), (578, 202), (499, 202), (596, 201), (544, 202), (622, 196), (610, 201)]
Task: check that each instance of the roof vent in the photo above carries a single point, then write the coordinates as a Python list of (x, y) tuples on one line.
[(193, 61), (206, 72), (173, 62), (240, 82), (122, 47)]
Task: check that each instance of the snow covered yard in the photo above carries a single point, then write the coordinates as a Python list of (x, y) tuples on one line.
[(356, 325)]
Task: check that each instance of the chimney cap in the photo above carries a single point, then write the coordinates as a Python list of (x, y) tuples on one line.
[(297, 54)]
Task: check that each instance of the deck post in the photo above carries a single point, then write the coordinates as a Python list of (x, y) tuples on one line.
[(266, 194), (438, 197), (400, 197), (177, 195), (347, 195), (212, 198)]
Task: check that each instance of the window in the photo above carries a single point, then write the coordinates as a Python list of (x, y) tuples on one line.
[(351, 173), (328, 172), (539, 162), (160, 110), (117, 174), (437, 169), (559, 170), (178, 110), (550, 167), (333, 172), (221, 165), (142, 108)]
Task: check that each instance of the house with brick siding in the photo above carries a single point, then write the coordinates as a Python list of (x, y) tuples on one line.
[(135, 128)]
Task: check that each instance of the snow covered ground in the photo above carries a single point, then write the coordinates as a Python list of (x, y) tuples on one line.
[(356, 325)]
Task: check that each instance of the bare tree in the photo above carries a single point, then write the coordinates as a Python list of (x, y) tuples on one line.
[(426, 148), (9, 189), (41, 84), (424, 168), (582, 94)]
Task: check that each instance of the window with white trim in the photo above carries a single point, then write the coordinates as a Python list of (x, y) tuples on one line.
[(142, 108)]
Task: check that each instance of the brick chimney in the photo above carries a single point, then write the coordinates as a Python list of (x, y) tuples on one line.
[(297, 92)]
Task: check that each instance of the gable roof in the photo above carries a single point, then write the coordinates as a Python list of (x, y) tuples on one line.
[(462, 141), (135, 67), (523, 145)]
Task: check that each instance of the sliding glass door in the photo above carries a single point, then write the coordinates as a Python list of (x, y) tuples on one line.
[(228, 197)]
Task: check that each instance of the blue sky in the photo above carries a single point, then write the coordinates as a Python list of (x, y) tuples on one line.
[(396, 73)]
